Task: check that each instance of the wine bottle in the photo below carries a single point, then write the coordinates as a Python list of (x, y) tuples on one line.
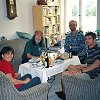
[(47, 61)]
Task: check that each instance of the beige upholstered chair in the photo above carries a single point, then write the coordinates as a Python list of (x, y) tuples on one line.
[(9, 92), (81, 89)]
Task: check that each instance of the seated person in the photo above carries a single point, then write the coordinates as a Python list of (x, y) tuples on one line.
[(22, 83), (93, 59), (34, 47), (75, 41), (92, 69)]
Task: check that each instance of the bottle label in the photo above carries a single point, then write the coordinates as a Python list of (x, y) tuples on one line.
[(70, 54)]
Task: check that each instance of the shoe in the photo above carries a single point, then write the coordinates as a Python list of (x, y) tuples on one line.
[(61, 95), (51, 79)]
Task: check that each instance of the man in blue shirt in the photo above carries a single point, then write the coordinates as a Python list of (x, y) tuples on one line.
[(75, 41)]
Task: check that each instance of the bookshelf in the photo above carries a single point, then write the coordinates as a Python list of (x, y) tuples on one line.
[(46, 18)]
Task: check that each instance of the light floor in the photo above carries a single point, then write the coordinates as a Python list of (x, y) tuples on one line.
[(56, 86)]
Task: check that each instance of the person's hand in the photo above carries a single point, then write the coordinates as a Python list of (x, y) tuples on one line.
[(71, 72), (75, 67), (71, 67), (17, 75), (27, 80), (81, 66)]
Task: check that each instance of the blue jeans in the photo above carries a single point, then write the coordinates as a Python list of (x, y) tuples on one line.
[(34, 81)]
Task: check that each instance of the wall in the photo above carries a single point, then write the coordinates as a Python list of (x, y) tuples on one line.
[(62, 19), (23, 23)]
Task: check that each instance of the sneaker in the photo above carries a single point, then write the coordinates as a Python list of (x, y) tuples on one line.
[(51, 79), (61, 95)]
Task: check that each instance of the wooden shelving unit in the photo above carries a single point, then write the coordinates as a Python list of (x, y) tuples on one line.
[(46, 18)]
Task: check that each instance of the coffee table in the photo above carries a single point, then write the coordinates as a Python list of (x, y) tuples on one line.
[(45, 73)]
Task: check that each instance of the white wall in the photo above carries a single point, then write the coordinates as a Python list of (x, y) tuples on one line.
[(23, 23), (62, 18)]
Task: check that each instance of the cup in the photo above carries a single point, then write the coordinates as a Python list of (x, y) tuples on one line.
[(58, 54)]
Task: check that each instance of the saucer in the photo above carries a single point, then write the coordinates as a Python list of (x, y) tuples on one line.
[(59, 60), (34, 60)]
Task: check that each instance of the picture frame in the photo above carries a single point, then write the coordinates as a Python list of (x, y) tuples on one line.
[(11, 9)]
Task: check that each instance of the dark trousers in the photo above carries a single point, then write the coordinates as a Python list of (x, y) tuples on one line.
[(34, 81)]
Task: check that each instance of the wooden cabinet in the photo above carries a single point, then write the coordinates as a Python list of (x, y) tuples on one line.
[(46, 18)]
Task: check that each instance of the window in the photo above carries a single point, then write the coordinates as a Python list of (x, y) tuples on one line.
[(84, 12)]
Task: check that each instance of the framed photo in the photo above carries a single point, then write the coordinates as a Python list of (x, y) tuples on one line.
[(11, 9)]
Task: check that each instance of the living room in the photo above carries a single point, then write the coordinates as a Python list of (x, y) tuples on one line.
[(24, 23)]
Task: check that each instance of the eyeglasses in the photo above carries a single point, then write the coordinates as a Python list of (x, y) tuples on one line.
[(72, 25)]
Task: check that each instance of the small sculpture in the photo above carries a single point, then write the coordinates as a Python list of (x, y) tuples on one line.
[(41, 2), (3, 38)]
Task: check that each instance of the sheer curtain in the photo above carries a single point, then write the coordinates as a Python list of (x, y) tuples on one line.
[(83, 11)]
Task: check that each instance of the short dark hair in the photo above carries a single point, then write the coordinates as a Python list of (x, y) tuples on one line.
[(92, 34), (6, 50)]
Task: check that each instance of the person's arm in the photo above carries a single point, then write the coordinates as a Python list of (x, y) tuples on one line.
[(83, 55), (95, 65), (66, 45), (27, 50), (81, 68), (16, 81), (17, 75), (76, 67), (30, 56)]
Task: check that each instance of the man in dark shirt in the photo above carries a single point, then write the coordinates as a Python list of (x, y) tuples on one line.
[(33, 47), (93, 59), (92, 69)]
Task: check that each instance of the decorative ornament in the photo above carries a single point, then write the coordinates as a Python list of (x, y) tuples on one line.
[(11, 9), (41, 2)]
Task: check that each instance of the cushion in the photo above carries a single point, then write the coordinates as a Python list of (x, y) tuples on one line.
[(24, 35)]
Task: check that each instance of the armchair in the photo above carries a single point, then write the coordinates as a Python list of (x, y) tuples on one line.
[(9, 92), (81, 89)]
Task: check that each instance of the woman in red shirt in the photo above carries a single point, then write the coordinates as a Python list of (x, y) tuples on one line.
[(23, 83)]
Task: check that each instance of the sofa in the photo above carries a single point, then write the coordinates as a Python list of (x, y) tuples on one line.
[(18, 46)]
